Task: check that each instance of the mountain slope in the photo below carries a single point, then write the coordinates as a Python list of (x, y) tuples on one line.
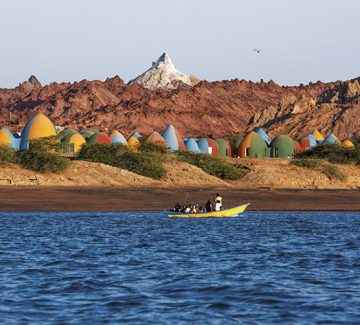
[(163, 75), (208, 108), (336, 110)]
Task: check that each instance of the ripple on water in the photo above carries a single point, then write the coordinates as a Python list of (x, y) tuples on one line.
[(92, 268)]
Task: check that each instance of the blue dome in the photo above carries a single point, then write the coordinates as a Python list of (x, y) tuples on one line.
[(203, 145), (313, 140), (118, 138), (191, 145), (136, 135), (264, 135), (330, 139)]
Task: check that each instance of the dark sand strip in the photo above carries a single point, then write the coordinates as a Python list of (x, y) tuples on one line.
[(42, 198)]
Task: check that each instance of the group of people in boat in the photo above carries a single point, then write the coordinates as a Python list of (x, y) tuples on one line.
[(216, 205)]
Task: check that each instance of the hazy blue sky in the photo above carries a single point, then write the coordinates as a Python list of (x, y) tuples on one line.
[(67, 40)]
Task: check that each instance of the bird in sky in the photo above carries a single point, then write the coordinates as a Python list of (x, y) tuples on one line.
[(258, 51)]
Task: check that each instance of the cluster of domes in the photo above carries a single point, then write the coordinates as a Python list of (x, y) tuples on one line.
[(255, 144)]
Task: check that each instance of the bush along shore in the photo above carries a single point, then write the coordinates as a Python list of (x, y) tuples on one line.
[(323, 158), (147, 159), (44, 155)]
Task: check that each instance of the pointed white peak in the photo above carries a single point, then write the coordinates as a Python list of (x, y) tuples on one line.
[(163, 74), (163, 61)]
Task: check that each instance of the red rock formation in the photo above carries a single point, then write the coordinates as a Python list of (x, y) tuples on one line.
[(208, 108), (336, 110)]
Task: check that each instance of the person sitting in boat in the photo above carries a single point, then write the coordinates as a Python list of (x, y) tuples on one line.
[(201, 210), (177, 207), (218, 206), (194, 209), (219, 198), (188, 209), (208, 206)]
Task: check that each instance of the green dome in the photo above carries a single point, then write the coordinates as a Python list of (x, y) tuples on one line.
[(282, 147)]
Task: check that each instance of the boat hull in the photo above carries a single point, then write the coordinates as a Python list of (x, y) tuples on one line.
[(232, 212)]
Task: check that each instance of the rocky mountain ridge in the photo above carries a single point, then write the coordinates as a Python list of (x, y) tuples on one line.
[(164, 95), (335, 110), (208, 108)]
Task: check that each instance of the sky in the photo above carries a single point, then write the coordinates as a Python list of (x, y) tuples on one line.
[(71, 40)]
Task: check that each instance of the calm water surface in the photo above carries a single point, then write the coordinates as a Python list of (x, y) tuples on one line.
[(141, 268)]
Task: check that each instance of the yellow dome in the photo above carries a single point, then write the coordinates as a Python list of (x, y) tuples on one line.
[(78, 141), (318, 135), (133, 142), (348, 144), (41, 127), (5, 138)]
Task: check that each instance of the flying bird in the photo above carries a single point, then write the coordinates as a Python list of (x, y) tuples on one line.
[(258, 51)]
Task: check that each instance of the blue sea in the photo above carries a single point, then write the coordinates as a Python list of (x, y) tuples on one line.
[(145, 268)]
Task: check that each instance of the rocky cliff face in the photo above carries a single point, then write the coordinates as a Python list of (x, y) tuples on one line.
[(208, 108), (164, 75), (335, 110)]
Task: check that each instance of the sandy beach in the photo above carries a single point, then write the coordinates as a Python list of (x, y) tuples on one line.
[(48, 198)]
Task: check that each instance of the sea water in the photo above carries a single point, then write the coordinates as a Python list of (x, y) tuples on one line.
[(146, 268)]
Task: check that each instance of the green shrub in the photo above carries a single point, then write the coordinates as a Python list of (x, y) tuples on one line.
[(212, 165), (143, 163), (333, 153), (332, 172), (305, 163), (151, 147), (328, 169), (42, 157), (7, 155)]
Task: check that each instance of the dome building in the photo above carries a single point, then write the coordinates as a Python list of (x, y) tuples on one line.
[(133, 143), (253, 146), (156, 138), (313, 140), (75, 142), (39, 126), (331, 139), (100, 138), (191, 145), (224, 148), (7, 139), (117, 137), (347, 144), (318, 136), (173, 139), (264, 135), (282, 147)]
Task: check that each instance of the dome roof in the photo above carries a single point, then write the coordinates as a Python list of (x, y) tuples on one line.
[(133, 142), (191, 145), (348, 144), (117, 137), (157, 139), (6, 137), (39, 126), (173, 138), (330, 139), (99, 138), (66, 132), (136, 135), (203, 145), (224, 148), (264, 135), (282, 139), (313, 140), (318, 136), (75, 139), (255, 142)]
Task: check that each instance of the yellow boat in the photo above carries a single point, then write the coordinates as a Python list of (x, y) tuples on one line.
[(232, 212)]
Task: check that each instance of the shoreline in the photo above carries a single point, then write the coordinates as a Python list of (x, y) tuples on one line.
[(109, 199)]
